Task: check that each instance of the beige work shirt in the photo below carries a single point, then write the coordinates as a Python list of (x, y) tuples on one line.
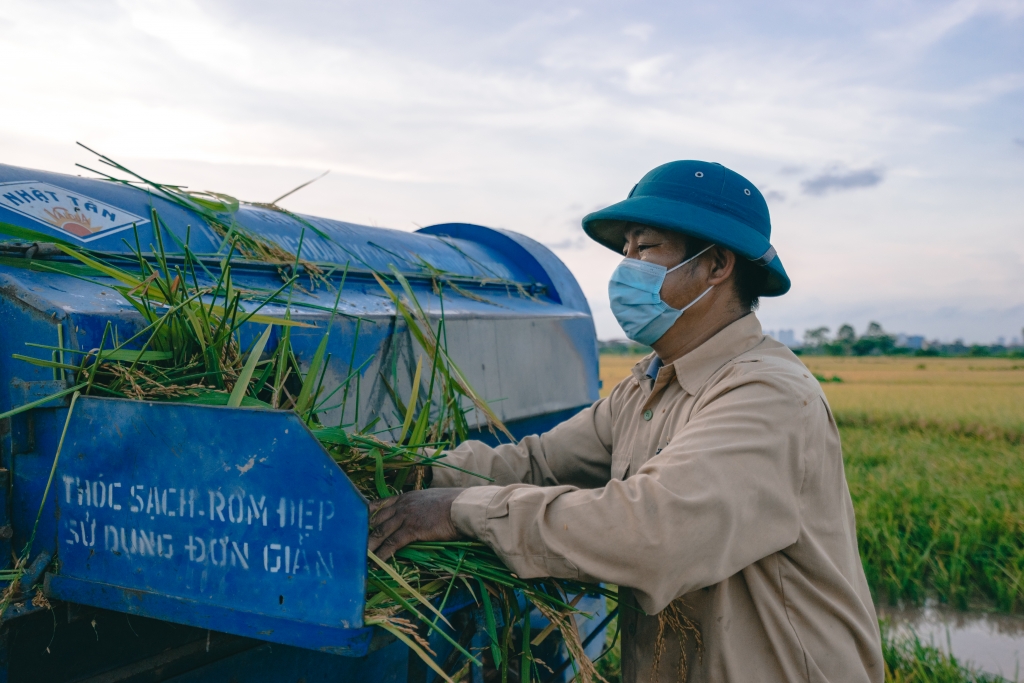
[(718, 488)]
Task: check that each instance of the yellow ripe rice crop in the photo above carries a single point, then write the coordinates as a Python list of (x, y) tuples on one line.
[(614, 368), (980, 396)]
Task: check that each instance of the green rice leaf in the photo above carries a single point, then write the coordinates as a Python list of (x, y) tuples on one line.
[(44, 363), (391, 592), (121, 276), (73, 269), (270, 320), (27, 553), (214, 201), (492, 629), (410, 412), (197, 326), (140, 356), (305, 394), (526, 663), (41, 401), (332, 435), (405, 584), (414, 646), (378, 474), (242, 384), (207, 397), (29, 235)]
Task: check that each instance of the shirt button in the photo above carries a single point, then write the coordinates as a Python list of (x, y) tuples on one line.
[(648, 414)]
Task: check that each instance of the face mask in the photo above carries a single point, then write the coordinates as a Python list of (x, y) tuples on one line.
[(635, 292)]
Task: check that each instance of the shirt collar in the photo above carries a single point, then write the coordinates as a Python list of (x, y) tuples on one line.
[(645, 371), (653, 367), (694, 369)]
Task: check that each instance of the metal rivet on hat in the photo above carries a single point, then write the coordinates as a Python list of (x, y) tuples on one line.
[(746, 192), (699, 174)]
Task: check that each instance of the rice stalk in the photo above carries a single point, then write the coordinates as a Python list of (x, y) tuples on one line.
[(189, 350)]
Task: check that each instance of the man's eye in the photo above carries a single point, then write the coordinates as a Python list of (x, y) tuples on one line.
[(641, 247)]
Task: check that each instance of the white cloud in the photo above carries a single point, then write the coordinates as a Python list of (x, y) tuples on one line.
[(509, 122)]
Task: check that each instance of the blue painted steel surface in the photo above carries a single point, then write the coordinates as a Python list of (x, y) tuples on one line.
[(535, 259), (231, 519), (205, 614), (279, 663)]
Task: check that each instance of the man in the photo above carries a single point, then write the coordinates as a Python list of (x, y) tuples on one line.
[(708, 486)]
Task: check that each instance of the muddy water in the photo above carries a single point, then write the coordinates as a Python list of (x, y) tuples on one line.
[(993, 643)]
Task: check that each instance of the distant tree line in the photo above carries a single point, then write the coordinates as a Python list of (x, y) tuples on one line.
[(874, 342), (623, 347), (877, 342)]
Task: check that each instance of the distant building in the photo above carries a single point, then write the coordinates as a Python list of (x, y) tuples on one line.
[(910, 341), (787, 337)]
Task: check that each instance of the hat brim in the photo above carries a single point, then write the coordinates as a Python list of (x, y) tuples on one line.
[(608, 227)]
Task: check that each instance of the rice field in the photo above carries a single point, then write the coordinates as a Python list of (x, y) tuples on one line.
[(972, 396), (615, 368), (934, 453)]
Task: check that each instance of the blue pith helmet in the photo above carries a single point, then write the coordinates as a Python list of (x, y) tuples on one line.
[(701, 199)]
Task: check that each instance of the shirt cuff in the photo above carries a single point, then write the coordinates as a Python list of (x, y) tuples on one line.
[(469, 510)]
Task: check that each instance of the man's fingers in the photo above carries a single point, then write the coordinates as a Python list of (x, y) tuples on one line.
[(382, 504), (394, 543), (383, 515), (381, 532), (416, 516)]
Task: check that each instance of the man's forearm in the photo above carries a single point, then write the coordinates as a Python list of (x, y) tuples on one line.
[(576, 452)]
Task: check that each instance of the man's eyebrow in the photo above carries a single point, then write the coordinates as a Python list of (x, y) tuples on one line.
[(641, 231)]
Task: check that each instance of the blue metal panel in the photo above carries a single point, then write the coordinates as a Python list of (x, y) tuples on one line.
[(521, 428), (539, 263), (231, 519), (283, 664), (203, 614), (6, 530)]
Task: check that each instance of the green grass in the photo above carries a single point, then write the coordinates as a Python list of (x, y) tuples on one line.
[(938, 514), (907, 660)]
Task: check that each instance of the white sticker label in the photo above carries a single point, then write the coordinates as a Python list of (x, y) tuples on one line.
[(76, 215)]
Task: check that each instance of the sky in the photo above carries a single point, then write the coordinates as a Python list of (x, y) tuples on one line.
[(887, 137)]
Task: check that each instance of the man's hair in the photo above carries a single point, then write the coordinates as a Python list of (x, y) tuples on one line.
[(749, 279)]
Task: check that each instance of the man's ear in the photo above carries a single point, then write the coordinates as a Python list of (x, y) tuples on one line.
[(723, 263)]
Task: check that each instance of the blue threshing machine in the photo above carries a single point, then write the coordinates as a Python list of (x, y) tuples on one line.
[(192, 543)]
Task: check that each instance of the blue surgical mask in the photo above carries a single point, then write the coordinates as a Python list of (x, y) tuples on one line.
[(635, 292)]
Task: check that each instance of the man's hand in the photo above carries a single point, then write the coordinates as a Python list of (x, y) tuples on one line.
[(397, 521)]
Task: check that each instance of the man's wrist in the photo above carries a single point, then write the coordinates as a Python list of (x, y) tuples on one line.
[(469, 510)]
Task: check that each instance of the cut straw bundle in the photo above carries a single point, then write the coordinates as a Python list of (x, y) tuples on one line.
[(189, 349)]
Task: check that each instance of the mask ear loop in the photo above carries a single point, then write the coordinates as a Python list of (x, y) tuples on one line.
[(704, 293), (688, 260), (683, 309)]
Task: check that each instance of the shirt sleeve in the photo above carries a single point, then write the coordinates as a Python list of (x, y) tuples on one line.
[(723, 494), (576, 452)]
